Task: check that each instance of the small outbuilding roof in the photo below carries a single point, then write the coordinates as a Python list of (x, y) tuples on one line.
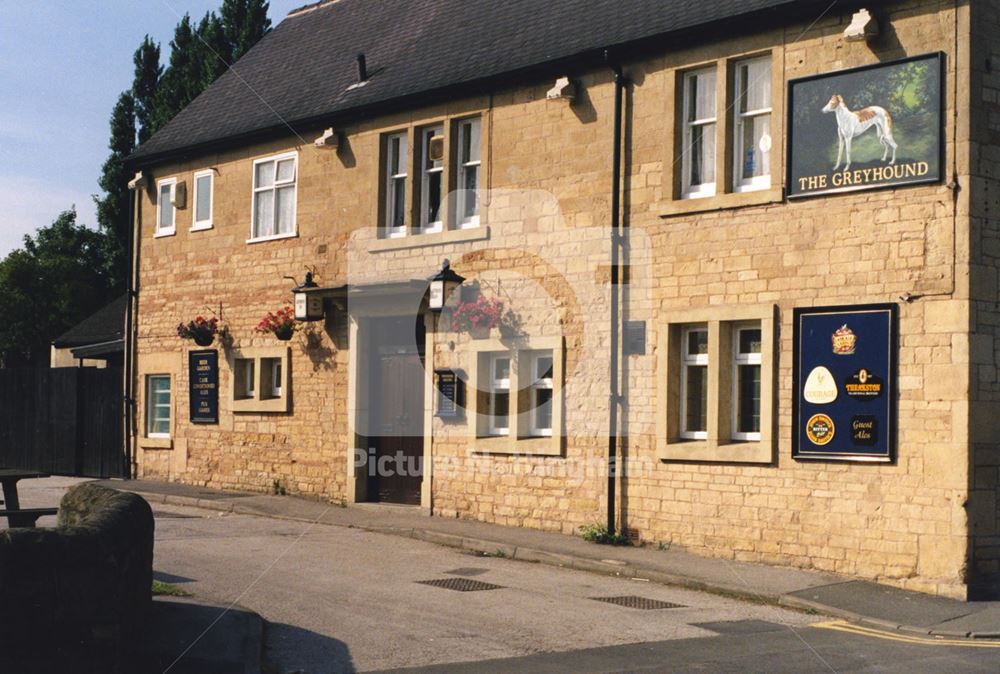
[(305, 72), (103, 326)]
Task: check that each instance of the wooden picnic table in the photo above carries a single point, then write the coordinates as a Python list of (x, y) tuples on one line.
[(16, 516)]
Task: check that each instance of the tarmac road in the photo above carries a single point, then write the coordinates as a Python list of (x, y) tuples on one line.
[(344, 600)]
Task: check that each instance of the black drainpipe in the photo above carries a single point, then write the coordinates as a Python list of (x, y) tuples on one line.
[(131, 332), (616, 241)]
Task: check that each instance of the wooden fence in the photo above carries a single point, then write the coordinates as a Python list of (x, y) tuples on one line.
[(63, 421)]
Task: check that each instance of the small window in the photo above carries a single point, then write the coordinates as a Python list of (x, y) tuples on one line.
[(274, 193), (395, 185), (694, 383), (203, 183), (698, 147), (261, 381), (158, 406), (500, 394), (467, 203), (541, 393), (746, 382), (271, 371), (752, 149), (166, 213), (244, 373), (431, 178)]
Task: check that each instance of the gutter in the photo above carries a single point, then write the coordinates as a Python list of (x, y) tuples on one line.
[(131, 333), (617, 241)]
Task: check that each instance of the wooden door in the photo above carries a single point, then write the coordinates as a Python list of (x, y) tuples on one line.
[(397, 415)]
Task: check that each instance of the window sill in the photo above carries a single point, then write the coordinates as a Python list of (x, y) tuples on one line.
[(721, 202), (735, 451), (276, 237), (265, 405), (436, 239), (165, 233), (156, 443), (201, 228), (504, 444)]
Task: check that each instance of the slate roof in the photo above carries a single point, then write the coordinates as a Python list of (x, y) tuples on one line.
[(300, 73), (104, 325)]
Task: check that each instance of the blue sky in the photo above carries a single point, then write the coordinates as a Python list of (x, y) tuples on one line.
[(63, 64)]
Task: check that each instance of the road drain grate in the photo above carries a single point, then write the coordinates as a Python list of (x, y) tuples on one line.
[(632, 601), (461, 584)]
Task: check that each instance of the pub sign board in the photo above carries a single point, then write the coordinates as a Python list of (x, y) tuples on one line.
[(203, 378), (844, 383), (866, 128), (450, 394)]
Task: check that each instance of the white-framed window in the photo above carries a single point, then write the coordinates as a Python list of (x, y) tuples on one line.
[(699, 134), (261, 381), (467, 175), (272, 366), (752, 135), (431, 178), (158, 406), (395, 185), (246, 377), (274, 197), (694, 383), (499, 410), (166, 213), (204, 182), (746, 381), (541, 393)]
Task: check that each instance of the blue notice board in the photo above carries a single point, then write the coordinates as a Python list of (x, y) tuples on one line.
[(844, 379), (203, 372)]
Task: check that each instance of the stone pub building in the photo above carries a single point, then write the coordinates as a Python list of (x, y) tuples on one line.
[(743, 252)]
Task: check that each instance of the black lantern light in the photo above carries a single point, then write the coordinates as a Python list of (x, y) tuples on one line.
[(442, 285), (308, 302)]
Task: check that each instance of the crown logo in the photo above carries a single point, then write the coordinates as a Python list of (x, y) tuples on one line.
[(844, 340)]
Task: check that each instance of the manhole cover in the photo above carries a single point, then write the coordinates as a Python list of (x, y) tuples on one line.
[(467, 571), (632, 601), (461, 584)]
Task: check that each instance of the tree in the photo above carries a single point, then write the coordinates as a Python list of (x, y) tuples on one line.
[(47, 287), (147, 80), (244, 23), (113, 207), (181, 81)]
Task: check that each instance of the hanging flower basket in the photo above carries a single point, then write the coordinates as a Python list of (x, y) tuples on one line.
[(478, 317), (280, 323), (200, 330)]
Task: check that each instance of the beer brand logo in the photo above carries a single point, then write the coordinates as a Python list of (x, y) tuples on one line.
[(844, 340), (820, 429), (864, 386)]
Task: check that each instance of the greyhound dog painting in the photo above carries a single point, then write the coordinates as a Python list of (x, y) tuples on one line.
[(851, 124)]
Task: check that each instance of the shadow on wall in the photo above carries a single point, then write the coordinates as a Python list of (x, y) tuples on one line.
[(292, 649)]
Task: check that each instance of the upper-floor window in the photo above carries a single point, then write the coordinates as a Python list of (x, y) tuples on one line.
[(445, 162), (698, 147), (468, 172), (431, 178), (274, 195), (395, 184), (752, 135), (166, 212), (203, 183)]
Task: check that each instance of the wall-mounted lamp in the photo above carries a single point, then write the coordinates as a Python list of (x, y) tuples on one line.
[(330, 140), (308, 302), (564, 89), (442, 285), (863, 27)]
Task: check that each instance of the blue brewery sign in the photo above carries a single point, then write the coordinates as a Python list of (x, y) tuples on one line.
[(203, 375), (844, 378)]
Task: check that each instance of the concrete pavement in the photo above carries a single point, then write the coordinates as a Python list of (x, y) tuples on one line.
[(854, 600)]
